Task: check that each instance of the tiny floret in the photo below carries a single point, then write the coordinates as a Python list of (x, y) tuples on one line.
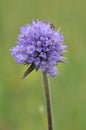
[(41, 46)]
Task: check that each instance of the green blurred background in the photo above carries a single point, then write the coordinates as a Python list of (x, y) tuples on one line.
[(22, 105)]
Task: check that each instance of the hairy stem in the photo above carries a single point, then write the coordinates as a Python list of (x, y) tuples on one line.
[(48, 101)]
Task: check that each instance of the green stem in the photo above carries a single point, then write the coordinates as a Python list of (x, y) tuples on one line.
[(48, 101)]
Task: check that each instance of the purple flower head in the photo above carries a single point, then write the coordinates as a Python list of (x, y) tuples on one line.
[(40, 46)]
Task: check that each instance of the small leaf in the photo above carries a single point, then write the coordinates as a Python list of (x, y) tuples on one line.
[(29, 70)]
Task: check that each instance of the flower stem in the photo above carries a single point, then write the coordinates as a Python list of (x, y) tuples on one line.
[(48, 101)]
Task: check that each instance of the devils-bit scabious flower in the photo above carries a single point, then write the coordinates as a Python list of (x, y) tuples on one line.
[(41, 46)]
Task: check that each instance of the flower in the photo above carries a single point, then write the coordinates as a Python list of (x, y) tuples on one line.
[(40, 46)]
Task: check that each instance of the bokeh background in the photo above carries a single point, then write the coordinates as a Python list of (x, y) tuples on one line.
[(22, 105)]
